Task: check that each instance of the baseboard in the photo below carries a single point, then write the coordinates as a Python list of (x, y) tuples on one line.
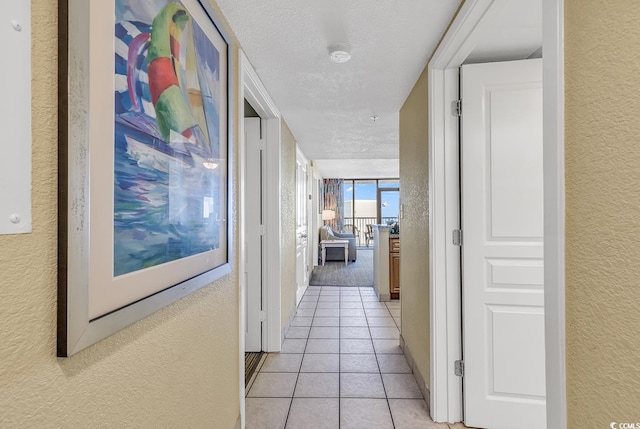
[(384, 297), (285, 328), (422, 385)]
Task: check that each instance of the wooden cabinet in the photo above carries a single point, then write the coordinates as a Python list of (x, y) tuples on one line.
[(394, 268)]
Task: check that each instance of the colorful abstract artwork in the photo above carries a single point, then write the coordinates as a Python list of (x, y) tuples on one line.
[(145, 113), (169, 151)]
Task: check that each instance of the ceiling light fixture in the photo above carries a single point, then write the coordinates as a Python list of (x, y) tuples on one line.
[(340, 53), (210, 163), (374, 118)]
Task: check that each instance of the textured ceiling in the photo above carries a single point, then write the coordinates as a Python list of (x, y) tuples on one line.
[(329, 106)]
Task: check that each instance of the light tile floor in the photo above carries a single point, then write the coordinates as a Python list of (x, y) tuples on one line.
[(341, 366)]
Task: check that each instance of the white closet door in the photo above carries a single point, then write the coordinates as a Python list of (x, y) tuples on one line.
[(502, 222)]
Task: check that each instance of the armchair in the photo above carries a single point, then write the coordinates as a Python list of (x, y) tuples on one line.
[(336, 254), (352, 229)]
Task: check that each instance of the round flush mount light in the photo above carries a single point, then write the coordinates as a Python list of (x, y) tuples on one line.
[(340, 53), (210, 163)]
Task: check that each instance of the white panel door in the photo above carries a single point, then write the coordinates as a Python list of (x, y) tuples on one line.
[(502, 222), (302, 205), (253, 234)]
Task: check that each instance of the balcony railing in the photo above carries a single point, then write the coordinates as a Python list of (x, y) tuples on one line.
[(360, 224)]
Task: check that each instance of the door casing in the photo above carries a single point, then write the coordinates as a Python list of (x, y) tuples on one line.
[(302, 224), (251, 88), (444, 205)]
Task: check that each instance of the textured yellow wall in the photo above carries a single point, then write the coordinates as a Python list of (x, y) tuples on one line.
[(414, 230), (602, 159), (175, 369), (288, 209)]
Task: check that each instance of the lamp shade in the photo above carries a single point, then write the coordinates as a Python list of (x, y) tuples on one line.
[(328, 214)]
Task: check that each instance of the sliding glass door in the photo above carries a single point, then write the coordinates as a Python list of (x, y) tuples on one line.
[(388, 201), (368, 202)]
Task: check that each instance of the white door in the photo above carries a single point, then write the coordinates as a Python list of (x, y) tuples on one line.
[(502, 223), (254, 238), (302, 192)]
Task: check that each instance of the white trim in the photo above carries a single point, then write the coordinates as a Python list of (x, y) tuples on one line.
[(301, 157), (316, 221), (554, 212), (444, 258), (272, 339), (444, 197), (251, 88)]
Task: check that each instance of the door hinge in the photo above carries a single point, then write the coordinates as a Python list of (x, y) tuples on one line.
[(456, 108), (263, 230), (457, 237), (459, 368), (263, 316)]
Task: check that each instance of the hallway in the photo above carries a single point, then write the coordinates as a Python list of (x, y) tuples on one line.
[(340, 367)]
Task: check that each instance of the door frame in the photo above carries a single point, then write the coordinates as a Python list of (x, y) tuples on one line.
[(252, 89), (444, 208), (303, 199), (316, 215)]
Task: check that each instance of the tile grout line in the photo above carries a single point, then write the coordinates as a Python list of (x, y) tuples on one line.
[(392, 317), (380, 370), (331, 397), (314, 318), (295, 386)]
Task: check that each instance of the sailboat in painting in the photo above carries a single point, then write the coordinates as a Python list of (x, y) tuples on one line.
[(167, 136)]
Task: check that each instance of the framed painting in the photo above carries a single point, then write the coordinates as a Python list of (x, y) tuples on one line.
[(143, 164)]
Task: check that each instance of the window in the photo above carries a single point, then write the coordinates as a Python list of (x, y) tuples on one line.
[(370, 201)]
